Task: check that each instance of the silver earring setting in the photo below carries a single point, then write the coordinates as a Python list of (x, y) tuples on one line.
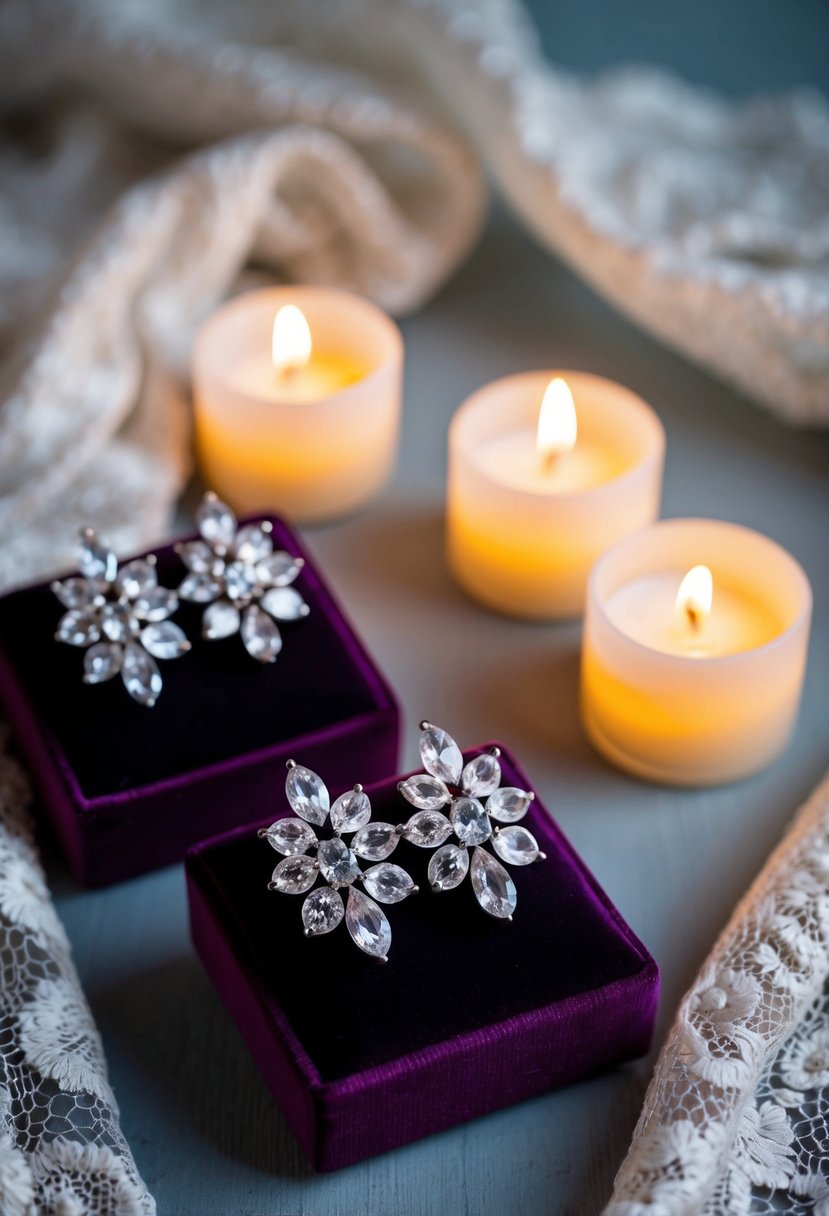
[(244, 582), (308, 857), (119, 615), (447, 782)]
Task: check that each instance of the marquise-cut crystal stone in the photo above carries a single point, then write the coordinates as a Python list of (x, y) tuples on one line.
[(337, 863), (239, 581), (216, 521), (307, 794), (80, 592), (285, 604), (481, 776), (375, 841), (199, 557), (101, 662), (424, 791), (290, 836), (95, 559), (351, 811), (295, 874), (322, 911), (135, 578), (427, 829), (156, 604), (493, 887), (166, 640), (78, 628), (279, 569), (516, 846), (141, 676), (252, 544), (220, 620), (116, 622), (440, 754), (200, 588), (448, 867), (509, 804), (470, 821), (388, 883), (367, 924), (260, 635)]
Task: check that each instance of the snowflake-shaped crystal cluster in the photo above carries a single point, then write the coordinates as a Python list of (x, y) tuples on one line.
[(242, 579), (119, 614), (448, 782), (307, 858)]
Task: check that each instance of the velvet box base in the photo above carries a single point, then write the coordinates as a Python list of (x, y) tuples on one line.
[(130, 789), (470, 1014)]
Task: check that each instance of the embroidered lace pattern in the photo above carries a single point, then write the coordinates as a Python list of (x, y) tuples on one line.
[(334, 142), (62, 1152), (736, 1118)]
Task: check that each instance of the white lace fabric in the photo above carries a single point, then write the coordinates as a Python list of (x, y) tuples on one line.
[(62, 1152), (339, 141), (736, 1118)]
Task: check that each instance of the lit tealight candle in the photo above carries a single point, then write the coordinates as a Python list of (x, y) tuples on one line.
[(297, 401), (546, 471), (694, 678)]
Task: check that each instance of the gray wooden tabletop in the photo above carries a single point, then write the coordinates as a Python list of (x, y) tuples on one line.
[(204, 1130)]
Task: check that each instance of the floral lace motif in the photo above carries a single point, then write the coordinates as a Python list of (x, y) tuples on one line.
[(635, 179), (736, 1118), (62, 1152)]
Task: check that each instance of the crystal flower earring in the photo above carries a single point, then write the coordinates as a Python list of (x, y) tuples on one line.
[(242, 579), (447, 782), (119, 615), (308, 857)]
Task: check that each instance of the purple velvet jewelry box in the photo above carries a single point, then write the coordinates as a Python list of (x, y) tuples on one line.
[(470, 1014), (129, 789)]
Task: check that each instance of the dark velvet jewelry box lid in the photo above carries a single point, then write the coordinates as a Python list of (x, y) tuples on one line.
[(130, 789), (470, 1014)]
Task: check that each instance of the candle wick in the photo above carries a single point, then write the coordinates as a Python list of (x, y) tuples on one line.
[(286, 373), (694, 619), (549, 460)]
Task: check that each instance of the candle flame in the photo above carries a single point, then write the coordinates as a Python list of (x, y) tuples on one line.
[(291, 344), (695, 596), (557, 425)]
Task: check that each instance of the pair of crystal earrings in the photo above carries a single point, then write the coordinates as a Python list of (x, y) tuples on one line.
[(121, 614), (480, 811)]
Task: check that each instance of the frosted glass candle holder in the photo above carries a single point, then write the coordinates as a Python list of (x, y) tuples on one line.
[(704, 710), (521, 541), (313, 445)]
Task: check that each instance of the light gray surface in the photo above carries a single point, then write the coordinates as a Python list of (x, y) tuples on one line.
[(203, 1128)]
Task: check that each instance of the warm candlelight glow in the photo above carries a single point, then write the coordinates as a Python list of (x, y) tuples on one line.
[(308, 428), (291, 344), (557, 426), (695, 596), (688, 688), (531, 507)]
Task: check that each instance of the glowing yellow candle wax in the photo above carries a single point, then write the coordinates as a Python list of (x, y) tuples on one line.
[(323, 376), (297, 401), (549, 458), (694, 678), (645, 610), (293, 371), (546, 471)]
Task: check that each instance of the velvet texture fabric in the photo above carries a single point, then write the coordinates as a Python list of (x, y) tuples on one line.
[(130, 789), (470, 1014)]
